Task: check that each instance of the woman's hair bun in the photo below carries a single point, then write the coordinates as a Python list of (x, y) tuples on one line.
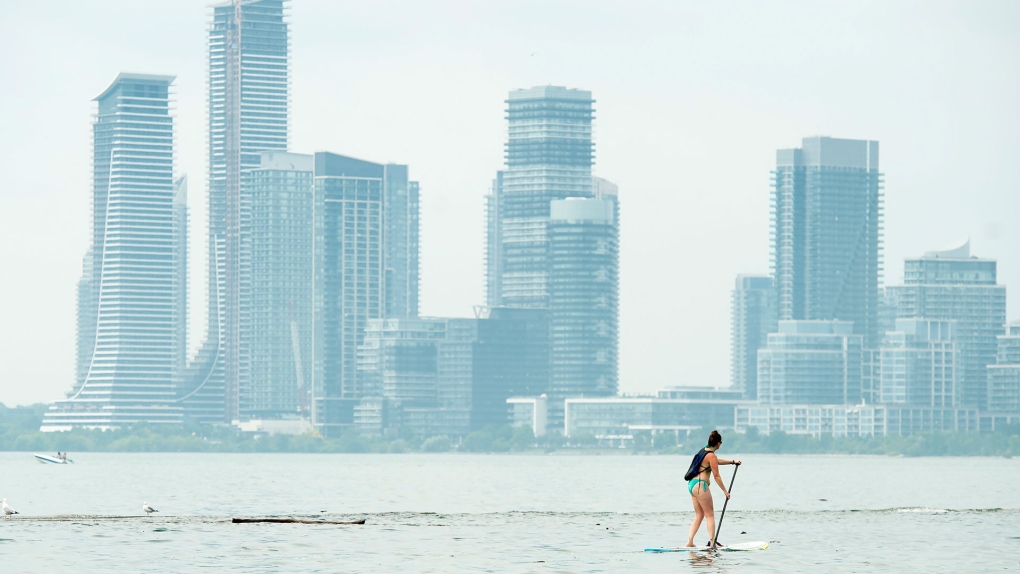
[(714, 439)]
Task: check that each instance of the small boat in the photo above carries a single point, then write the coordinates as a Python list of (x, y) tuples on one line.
[(47, 458)]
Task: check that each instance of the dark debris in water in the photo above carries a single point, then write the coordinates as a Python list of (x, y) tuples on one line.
[(290, 520)]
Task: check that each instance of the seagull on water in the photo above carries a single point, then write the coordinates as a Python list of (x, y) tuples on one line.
[(148, 509), (7, 509)]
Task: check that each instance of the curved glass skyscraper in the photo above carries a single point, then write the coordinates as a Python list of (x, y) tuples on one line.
[(131, 294)]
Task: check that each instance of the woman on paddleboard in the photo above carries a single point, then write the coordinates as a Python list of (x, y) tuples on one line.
[(705, 463)]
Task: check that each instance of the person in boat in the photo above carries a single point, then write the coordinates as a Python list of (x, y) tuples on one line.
[(63, 457), (708, 466)]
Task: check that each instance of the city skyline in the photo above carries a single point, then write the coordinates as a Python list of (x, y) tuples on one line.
[(645, 314)]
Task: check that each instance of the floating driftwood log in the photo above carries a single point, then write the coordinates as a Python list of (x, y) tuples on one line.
[(293, 521)]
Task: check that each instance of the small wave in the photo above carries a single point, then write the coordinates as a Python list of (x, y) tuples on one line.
[(922, 510), (900, 509), (929, 510)]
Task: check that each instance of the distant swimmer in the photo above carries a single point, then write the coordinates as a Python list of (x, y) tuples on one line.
[(7, 509), (148, 509), (704, 466)]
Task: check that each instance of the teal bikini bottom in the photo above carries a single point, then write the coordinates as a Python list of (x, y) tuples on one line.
[(694, 482)]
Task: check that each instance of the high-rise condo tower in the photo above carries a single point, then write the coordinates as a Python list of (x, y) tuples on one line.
[(552, 239), (131, 295), (753, 317), (249, 92), (827, 233), (953, 285), (365, 267), (549, 156)]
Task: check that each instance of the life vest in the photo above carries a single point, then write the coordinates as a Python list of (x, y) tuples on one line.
[(695, 468)]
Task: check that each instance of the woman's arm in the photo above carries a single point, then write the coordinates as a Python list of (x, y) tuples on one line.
[(713, 461)]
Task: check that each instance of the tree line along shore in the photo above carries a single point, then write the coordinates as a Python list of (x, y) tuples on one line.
[(19, 432)]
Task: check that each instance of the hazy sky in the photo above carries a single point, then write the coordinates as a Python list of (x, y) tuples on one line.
[(692, 100)]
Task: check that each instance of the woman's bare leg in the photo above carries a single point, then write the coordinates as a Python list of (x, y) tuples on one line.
[(705, 500), (699, 515)]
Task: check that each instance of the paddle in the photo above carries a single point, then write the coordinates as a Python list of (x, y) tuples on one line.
[(715, 539)]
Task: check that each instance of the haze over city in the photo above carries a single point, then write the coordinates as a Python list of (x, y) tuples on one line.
[(692, 102)]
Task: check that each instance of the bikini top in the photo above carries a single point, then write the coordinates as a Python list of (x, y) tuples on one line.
[(707, 466)]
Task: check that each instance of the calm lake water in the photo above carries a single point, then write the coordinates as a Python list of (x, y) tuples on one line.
[(503, 513)]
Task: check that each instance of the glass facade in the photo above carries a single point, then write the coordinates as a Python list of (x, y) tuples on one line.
[(456, 371), (817, 420), (952, 285), (400, 218), (398, 360), (88, 307), (619, 417), (278, 195), (887, 309), (583, 290), (827, 233), (811, 362), (131, 301), (485, 361), (366, 267), (568, 265), (867, 420), (1004, 375), (919, 364), (249, 93), (181, 272), (349, 277), (529, 412), (493, 244), (549, 156), (449, 376), (753, 317), (871, 375)]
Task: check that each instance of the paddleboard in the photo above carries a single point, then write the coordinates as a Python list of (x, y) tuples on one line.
[(756, 545)]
